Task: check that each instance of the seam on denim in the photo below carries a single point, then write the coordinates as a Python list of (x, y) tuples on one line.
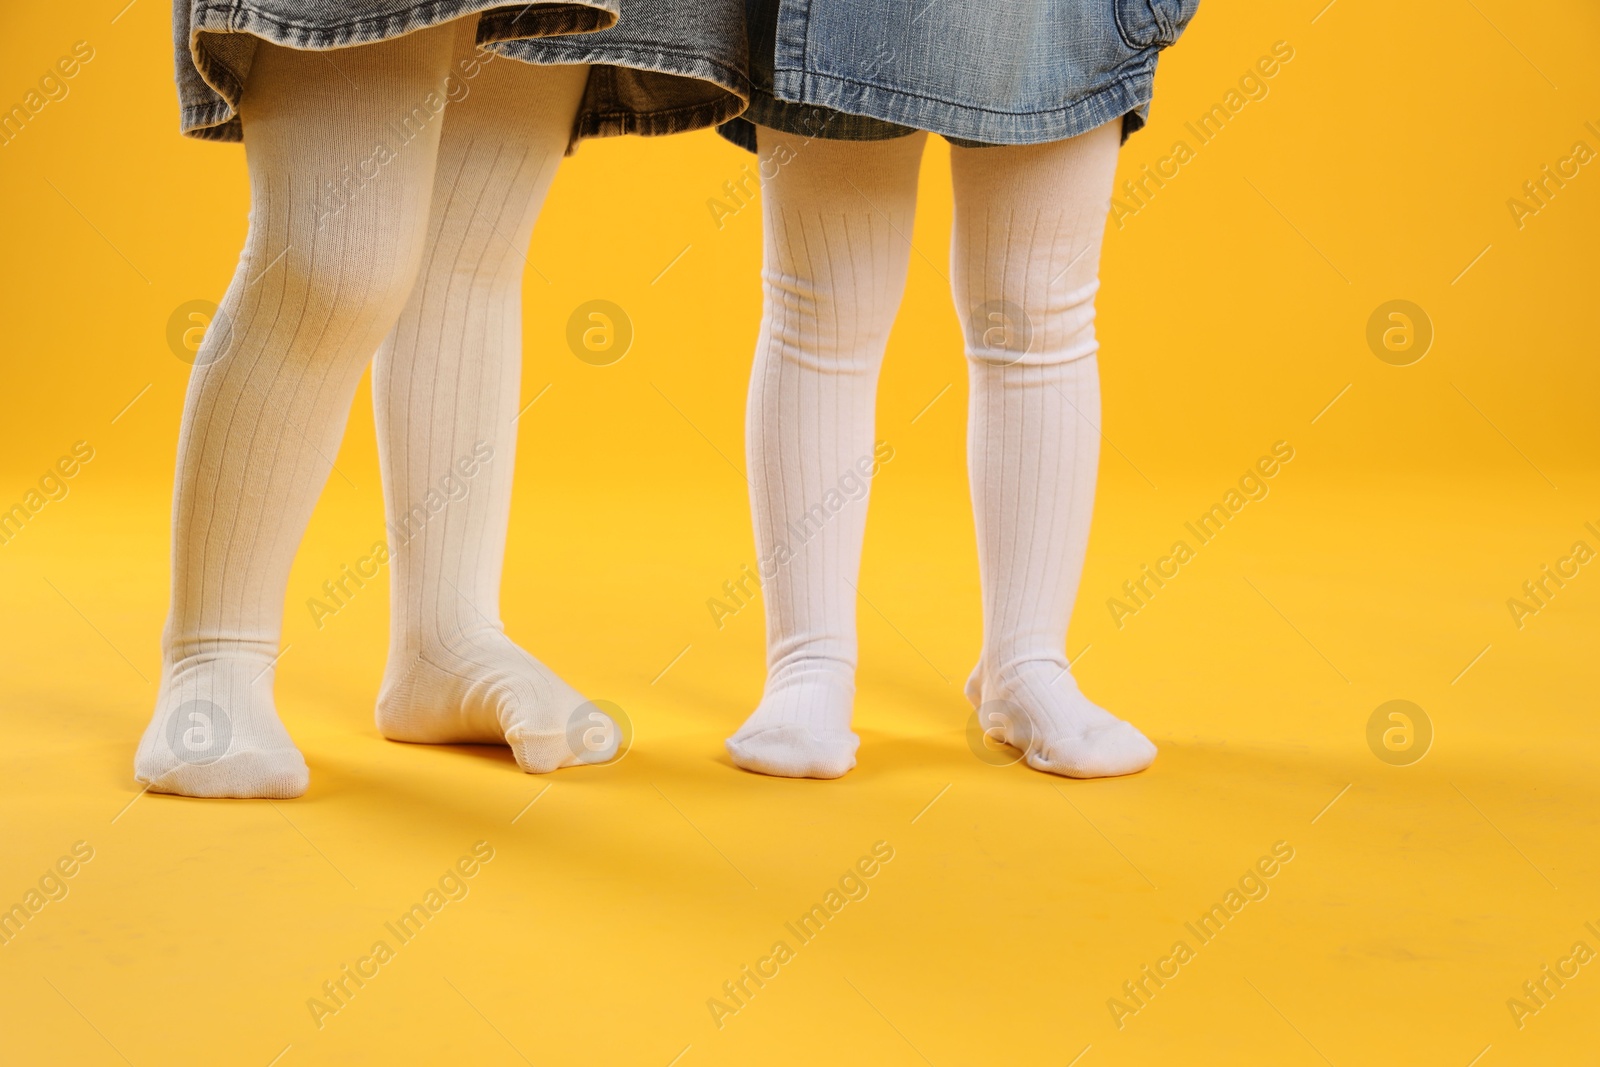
[(315, 36), (650, 124), (217, 76), (779, 114), (577, 19), (805, 38), (693, 116), (1120, 79), (209, 122), (572, 51), (1123, 97)]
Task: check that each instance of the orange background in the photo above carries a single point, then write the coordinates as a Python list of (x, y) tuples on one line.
[(1234, 309)]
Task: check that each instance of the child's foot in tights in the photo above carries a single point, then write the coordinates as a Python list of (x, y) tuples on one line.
[(483, 689), (801, 729), (216, 733), (1037, 708)]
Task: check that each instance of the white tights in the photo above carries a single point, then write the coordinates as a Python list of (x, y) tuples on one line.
[(1024, 266), (383, 221)]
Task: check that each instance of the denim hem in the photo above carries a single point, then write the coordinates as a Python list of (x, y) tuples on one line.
[(211, 122), (655, 124), (830, 124), (1128, 94), (739, 131), (218, 119), (600, 117), (1129, 97), (499, 19)]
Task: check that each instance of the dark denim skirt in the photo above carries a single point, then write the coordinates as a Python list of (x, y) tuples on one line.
[(980, 72), (659, 66)]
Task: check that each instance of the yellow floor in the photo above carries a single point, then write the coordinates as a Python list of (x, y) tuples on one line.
[(1417, 901), (1399, 905)]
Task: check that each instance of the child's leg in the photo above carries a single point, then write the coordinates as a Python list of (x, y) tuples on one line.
[(837, 221), (445, 388), (1024, 270), (327, 265)]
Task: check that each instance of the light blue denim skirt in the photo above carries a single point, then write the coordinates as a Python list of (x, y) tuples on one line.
[(980, 72), (659, 66)]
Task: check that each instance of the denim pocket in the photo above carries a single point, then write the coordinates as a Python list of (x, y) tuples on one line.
[(1153, 23)]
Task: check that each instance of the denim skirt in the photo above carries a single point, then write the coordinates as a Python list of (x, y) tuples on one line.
[(659, 66), (980, 72)]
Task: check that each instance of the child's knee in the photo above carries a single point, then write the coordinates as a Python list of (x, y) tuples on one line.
[(835, 330), (1038, 329), (357, 265)]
